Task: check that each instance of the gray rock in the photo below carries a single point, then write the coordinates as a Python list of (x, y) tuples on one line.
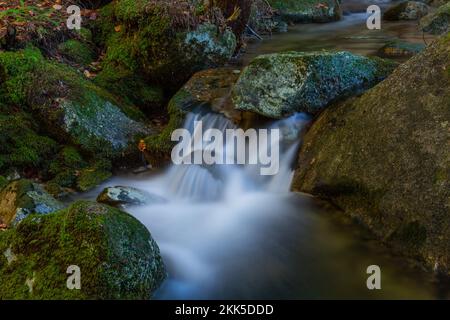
[(127, 196), (23, 197), (408, 10), (301, 11), (384, 158), (278, 85)]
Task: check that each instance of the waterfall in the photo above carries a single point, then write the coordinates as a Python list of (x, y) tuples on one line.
[(214, 182)]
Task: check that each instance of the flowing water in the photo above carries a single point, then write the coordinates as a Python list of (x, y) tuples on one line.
[(227, 232)]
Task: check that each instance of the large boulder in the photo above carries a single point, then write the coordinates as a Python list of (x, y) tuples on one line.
[(166, 43), (116, 256), (408, 10), (21, 198), (385, 158), (306, 11), (437, 22), (68, 106), (277, 85)]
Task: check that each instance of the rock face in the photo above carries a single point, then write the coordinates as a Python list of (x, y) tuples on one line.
[(305, 11), (408, 10), (21, 198), (278, 85), (437, 22), (400, 49), (117, 196), (385, 158), (116, 256)]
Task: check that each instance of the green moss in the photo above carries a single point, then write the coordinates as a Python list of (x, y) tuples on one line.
[(94, 175), (131, 88), (161, 145), (15, 71), (115, 253), (77, 51), (3, 182), (21, 146)]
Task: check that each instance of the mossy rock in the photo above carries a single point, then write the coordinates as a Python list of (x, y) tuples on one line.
[(278, 85), (306, 11), (22, 146), (93, 175), (384, 157), (115, 253), (131, 88), (144, 36), (437, 22), (70, 107), (21, 198), (77, 51), (407, 10)]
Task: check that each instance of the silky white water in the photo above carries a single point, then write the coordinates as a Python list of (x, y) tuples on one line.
[(226, 232)]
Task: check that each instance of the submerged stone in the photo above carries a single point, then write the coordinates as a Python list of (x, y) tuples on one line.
[(398, 49), (117, 196)]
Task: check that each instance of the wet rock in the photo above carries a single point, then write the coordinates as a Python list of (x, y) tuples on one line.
[(400, 49), (437, 22), (117, 196), (408, 10), (277, 85), (21, 198), (384, 158), (306, 11), (115, 254), (211, 46)]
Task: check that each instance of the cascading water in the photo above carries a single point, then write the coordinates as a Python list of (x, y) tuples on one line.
[(226, 232)]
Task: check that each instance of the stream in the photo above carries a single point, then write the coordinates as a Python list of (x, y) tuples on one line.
[(227, 232)]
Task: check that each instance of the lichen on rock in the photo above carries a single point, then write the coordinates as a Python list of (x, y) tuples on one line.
[(116, 255)]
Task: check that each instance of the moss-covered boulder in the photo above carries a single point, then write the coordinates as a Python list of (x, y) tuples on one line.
[(165, 43), (116, 256), (437, 22), (385, 158), (407, 10), (305, 11), (119, 195), (20, 198), (400, 49), (277, 85), (68, 106)]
